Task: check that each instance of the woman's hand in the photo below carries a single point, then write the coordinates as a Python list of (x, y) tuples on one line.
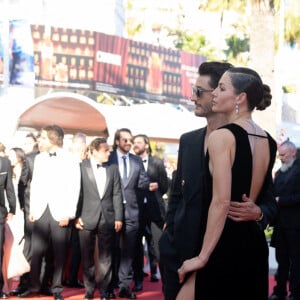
[(190, 265)]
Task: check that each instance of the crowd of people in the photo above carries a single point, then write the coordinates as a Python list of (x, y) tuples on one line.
[(85, 204), (95, 204)]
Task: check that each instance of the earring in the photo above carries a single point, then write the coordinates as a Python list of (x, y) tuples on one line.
[(237, 108)]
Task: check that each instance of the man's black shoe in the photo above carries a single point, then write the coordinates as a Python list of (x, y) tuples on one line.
[(138, 286), (28, 294), (3, 295), (145, 274), (275, 297), (110, 295), (125, 293), (104, 296), (46, 291), (58, 296), (76, 284), (154, 278), (19, 290), (88, 296)]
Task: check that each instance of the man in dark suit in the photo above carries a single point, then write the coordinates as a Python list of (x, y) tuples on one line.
[(134, 179), (182, 237), (286, 234), (152, 209), (99, 214), (78, 148), (6, 191)]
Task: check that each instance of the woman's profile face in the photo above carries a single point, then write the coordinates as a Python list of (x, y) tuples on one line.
[(224, 97)]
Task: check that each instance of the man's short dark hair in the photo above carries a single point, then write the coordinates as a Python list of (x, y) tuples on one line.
[(215, 70)]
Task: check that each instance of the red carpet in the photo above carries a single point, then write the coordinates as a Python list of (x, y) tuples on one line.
[(152, 291)]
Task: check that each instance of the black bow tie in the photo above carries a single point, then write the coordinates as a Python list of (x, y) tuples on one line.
[(145, 160), (99, 166), (52, 154)]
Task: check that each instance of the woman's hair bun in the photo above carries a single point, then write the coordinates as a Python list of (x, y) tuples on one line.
[(266, 100)]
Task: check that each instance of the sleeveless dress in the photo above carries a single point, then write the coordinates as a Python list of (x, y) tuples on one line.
[(238, 267)]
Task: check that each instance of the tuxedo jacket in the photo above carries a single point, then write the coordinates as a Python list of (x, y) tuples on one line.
[(137, 181), (56, 183), (25, 180), (91, 207), (156, 172), (6, 188), (287, 188), (185, 227)]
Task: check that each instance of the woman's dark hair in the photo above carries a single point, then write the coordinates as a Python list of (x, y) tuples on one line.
[(20, 154), (245, 80)]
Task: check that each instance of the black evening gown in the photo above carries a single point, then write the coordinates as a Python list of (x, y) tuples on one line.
[(238, 267)]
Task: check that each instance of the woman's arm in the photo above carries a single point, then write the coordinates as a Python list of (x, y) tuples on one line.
[(221, 147)]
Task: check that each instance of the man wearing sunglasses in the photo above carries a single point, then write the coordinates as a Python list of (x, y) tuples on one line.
[(134, 181), (184, 230)]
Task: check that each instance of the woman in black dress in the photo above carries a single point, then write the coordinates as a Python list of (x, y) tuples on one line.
[(233, 261)]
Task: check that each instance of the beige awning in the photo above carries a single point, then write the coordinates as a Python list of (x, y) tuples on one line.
[(70, 111)]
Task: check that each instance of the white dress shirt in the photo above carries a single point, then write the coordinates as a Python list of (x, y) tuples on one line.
[(100, 176), (121, 165)]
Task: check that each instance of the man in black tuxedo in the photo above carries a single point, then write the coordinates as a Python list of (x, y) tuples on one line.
[(6, 191), (99, 214), (134, 179), (152, 209), (182, 237), (286, 234)]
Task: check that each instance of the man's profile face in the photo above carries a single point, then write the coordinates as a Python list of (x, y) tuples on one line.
[(44, 142), (203, 104)]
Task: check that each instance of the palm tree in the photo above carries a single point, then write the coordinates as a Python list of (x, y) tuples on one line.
[(261, 19), (262, 55), (267, 35)]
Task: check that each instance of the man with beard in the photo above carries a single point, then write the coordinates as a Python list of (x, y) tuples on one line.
[(134, 181), (152, 210), (286, 235)]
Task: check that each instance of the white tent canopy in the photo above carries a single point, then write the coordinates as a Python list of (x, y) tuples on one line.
[(155, 120), (161, 122), (158, 121)]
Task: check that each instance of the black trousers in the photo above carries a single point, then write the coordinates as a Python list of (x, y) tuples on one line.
[(138, 263), (1, 252), (103, 262), (169, 264), (47, 263), (46, 230), (287, 253), (75, 256)]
